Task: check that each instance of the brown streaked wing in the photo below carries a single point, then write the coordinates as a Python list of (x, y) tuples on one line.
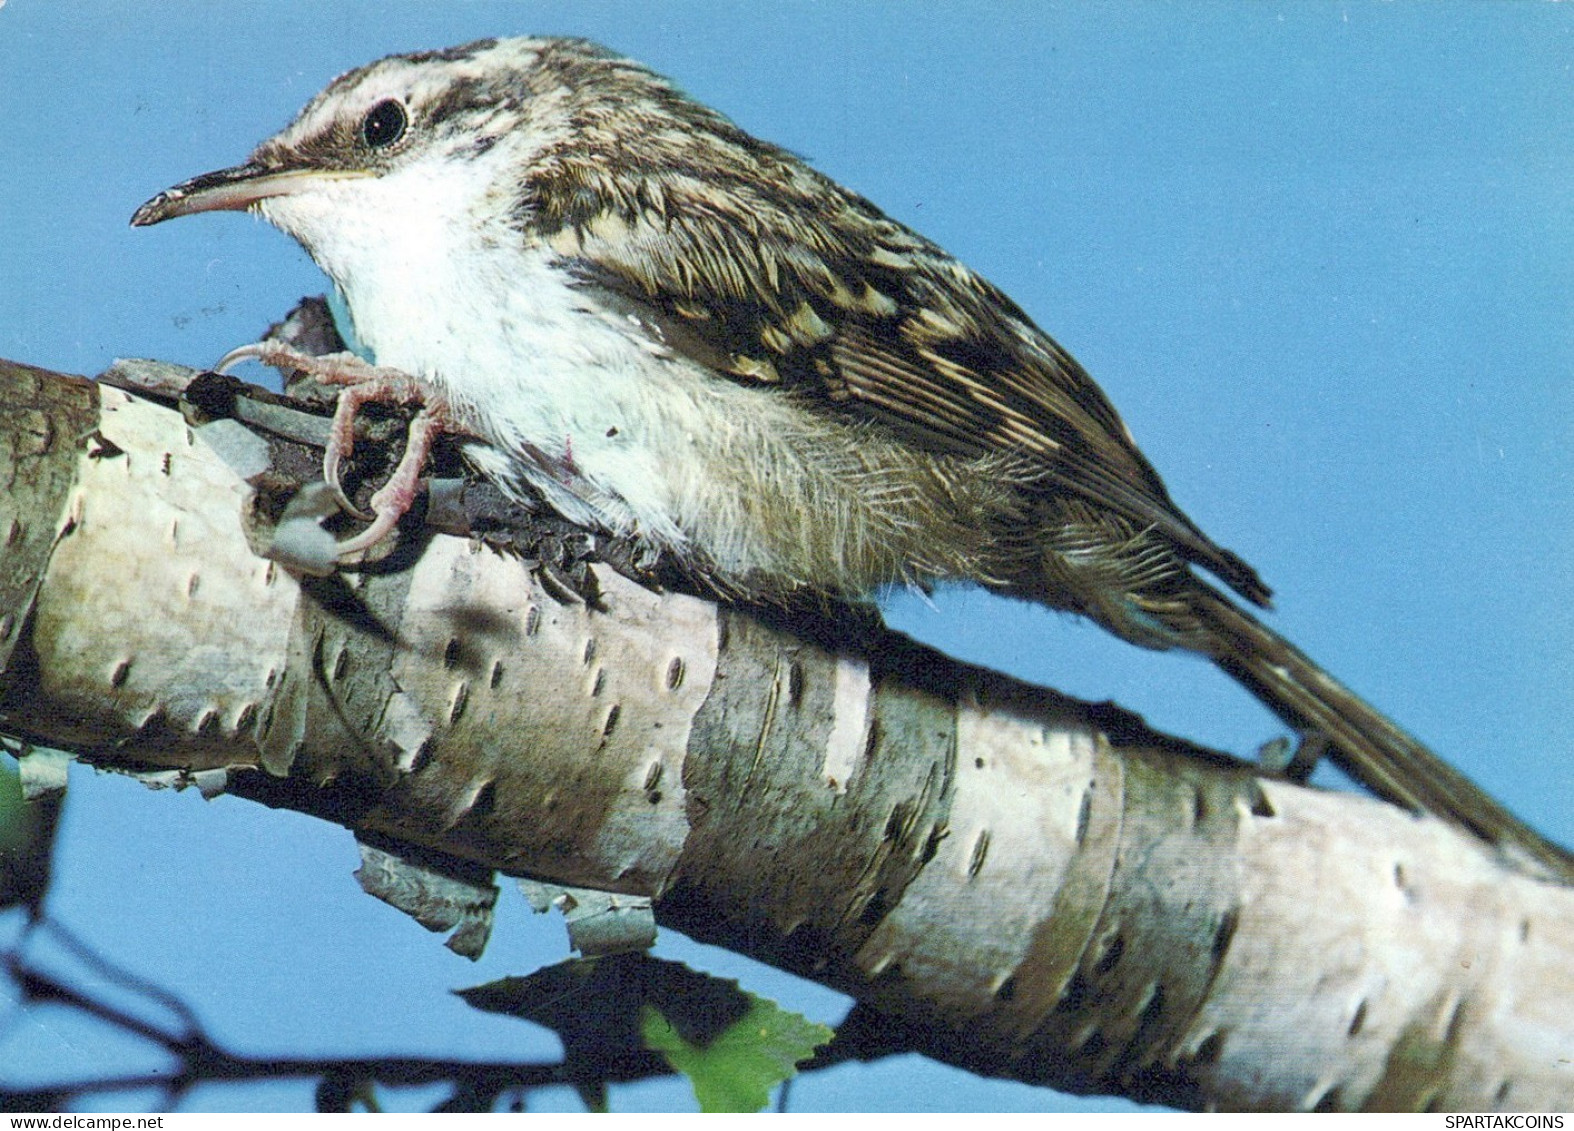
[(939, 355)]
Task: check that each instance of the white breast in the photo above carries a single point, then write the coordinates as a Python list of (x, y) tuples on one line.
[(524, 358)]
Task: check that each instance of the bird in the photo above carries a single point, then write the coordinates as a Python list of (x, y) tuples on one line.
[(673, 331)]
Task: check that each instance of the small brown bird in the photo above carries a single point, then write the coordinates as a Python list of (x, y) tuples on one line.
[(673, 330)]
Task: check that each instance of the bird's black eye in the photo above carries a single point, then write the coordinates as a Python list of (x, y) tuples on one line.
[(384, 124)]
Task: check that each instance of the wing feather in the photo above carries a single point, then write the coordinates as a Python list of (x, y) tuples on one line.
[(801, 284)]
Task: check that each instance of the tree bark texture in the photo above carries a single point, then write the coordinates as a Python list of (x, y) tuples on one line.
[(1030, 886)]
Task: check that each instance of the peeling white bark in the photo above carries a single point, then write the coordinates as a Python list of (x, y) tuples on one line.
[(969, 855)]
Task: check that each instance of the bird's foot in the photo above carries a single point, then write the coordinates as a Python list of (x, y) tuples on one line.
[(363, 383), (392, 500)]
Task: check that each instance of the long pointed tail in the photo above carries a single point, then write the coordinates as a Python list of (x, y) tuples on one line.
[(1364, 744)]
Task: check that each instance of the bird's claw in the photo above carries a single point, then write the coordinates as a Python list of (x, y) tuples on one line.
[(252, 351), (341, 442), (393, 499), (362, 383), (342, 368), (330, 475)]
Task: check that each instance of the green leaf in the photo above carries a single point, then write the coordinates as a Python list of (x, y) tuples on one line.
[(631, 1016), (738, 1067)]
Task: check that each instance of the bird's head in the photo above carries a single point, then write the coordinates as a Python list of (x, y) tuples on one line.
[(404, 149)]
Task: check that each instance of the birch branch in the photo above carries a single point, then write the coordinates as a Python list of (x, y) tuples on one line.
[(1029, 886)]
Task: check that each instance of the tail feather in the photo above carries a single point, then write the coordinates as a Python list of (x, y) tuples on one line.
[(1363, 743)]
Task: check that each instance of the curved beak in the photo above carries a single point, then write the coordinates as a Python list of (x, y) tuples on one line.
[(234, 190)]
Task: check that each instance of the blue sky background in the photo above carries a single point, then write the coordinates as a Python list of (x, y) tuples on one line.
[(1321, 255)]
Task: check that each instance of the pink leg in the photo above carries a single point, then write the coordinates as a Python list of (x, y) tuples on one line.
[(393, 498), (329, 368), (341, 433), (363, 384)]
